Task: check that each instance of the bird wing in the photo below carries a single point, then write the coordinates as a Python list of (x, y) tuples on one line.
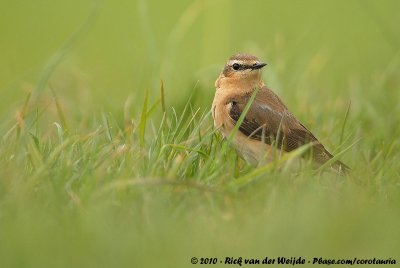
[(269, 120)]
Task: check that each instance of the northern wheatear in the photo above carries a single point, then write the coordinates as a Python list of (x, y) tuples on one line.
[(267, 123)]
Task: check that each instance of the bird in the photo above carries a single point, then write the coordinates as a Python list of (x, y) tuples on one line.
[(268, 129)]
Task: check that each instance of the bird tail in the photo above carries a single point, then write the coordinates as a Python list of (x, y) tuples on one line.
[(340, 167), (322, 156)]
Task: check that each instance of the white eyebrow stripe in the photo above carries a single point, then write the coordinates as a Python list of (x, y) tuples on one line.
[(231, 62), (242, 62)]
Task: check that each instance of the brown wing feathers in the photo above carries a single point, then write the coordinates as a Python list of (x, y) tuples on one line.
[(272, 128), (269, 120)]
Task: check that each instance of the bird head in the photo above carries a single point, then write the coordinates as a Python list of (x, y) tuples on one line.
[(242, 66), (241, 69)]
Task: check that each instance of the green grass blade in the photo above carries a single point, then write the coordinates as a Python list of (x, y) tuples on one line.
[(143, 120)]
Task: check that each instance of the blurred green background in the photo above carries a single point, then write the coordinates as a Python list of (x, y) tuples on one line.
[(95, 55), (126, 47)]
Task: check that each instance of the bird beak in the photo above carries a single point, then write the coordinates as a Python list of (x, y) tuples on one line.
[(258, 66)]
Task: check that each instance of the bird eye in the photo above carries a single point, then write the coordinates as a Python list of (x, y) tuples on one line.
[(236, 66)]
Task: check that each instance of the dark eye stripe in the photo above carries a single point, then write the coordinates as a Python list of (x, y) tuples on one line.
[(236, 66)]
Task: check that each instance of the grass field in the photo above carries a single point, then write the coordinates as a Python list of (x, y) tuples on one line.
[(104, 165)]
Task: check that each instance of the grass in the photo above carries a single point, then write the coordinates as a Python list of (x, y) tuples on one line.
[(110, 172)]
